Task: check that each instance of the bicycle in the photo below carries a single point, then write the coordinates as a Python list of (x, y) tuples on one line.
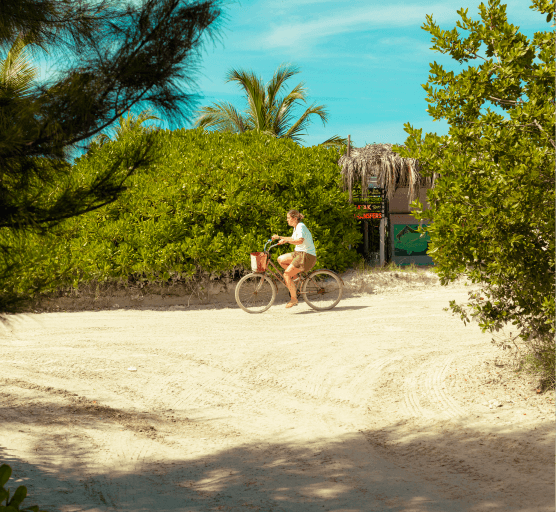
[(321, 289)]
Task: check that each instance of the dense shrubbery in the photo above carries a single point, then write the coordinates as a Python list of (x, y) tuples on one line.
[(208, 201), (492, 210)]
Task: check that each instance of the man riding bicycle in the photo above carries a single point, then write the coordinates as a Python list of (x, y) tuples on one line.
[(302, 259)]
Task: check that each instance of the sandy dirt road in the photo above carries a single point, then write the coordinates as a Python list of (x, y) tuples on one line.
[(378, 405)]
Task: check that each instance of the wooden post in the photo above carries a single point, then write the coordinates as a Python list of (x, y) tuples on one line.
[(366, 237), (383, 255), (382, 236), (348, 154), (349, 182)]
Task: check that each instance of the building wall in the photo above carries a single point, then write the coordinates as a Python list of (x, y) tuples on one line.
[(406, 246), (400, 202)]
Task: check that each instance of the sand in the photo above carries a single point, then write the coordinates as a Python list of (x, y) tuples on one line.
[(386, 402)]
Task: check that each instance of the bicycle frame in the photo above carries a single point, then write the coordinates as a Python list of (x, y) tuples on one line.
[(322, 288), (275, 273)]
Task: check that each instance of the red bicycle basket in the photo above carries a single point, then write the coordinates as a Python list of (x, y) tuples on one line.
[(259, 261)]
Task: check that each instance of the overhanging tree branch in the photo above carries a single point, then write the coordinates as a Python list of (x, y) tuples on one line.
[(124, 57)]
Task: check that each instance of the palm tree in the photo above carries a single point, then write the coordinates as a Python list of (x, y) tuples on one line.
[(127, 124), (266, 112), (130, 122), (16, 73)]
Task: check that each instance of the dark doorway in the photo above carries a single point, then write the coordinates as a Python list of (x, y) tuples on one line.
[(371, 210)]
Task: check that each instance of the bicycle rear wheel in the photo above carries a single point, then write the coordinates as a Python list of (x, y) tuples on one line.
[(322, 290), (255, 293)]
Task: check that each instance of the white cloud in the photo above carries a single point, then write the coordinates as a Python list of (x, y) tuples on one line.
[(297, 25), (296, 3), (410, 43), (354, 20)]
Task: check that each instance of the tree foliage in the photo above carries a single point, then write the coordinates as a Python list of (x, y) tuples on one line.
[(208, 201), (493, 207), (117, 57), (266, 111)]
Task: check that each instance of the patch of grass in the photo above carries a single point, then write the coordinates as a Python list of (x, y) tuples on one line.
[(365, 278), (537, 359), (362, 266), (534, 357)]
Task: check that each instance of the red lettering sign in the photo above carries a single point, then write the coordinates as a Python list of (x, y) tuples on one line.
[(369, 216)]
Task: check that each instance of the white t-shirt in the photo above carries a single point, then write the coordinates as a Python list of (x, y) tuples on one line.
[(301, 231)]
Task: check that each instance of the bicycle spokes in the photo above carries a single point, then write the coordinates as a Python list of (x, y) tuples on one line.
[(255, 293), (323, 290)]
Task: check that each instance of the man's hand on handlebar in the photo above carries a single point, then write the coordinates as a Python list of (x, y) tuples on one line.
[(275, 237)]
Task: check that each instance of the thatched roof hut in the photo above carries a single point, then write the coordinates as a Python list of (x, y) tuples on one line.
[(391, 170)]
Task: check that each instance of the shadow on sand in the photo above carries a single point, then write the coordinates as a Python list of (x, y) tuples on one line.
[(346, 474)]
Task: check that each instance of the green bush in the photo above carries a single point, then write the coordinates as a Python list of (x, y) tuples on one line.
[(208, 201), (13, 504)]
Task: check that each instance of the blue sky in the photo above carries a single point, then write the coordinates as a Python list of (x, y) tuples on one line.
[(364, 60)]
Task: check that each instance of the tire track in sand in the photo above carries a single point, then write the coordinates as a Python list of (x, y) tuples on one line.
[(357, 391), (434, 386), (425, 383), (252, 388)]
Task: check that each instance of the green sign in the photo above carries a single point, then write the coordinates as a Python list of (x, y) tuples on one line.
[(408, 242)]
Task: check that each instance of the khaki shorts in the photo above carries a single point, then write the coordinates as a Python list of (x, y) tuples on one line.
[(303, 261)]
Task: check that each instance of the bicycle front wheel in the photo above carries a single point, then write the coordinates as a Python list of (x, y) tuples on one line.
[(322, 290), (255, 293)]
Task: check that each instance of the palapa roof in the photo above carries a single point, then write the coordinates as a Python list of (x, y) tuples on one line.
[(391, 170)]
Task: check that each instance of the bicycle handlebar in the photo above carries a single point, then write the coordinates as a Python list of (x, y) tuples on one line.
[(267, 242)]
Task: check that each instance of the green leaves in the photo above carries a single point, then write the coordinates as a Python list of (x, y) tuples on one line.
[(493, 205), (18, 497), (16, 72), (13, 504), (208, 200), (5, 473)]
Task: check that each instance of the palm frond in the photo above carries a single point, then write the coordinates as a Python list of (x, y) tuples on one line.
[(281, 115), (265, 112), (257, 112), (303, 121), (297, 93), (223, 117), (101, 139), (283, 73), (131, 121), (146, 115), (336, 141), (256, 96), (16, 73)]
